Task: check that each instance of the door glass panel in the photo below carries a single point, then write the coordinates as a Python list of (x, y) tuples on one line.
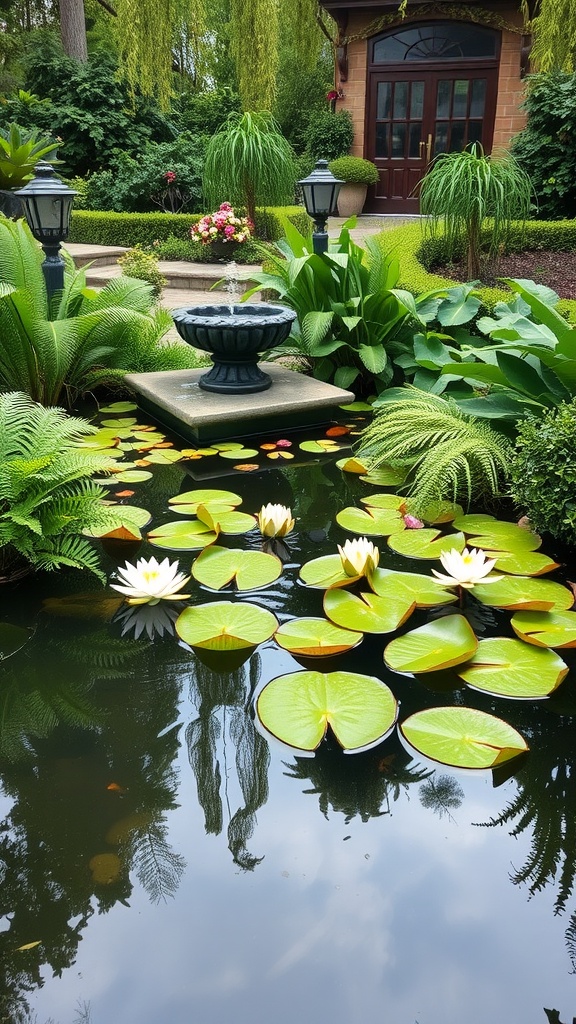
[(460, 107), (382, 140), (441, 137), (478, 97), (398, 140), (401, 101), (417, 100), (414, 139), (436, 41), (457, 136), (383, 100), (443, 99), (475, 131)]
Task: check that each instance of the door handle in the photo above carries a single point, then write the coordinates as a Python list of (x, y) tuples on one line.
[(429, 149), (422, 153)]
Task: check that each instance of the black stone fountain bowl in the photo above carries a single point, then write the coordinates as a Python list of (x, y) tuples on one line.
[(234, 335)]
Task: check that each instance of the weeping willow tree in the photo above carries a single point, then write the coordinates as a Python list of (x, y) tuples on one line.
[(554, 29), (300, 28), (148, 35), (255, 37)]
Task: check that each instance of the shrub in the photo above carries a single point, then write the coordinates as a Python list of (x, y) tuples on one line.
[(107, 228), (546, 148), (173, 248), (48, 499), (543, 472), (203, 113), (460, 191), (144, 267), (140, 185), (354, 169), (329, 135)]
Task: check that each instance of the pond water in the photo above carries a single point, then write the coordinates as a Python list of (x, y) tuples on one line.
[(161, 861)]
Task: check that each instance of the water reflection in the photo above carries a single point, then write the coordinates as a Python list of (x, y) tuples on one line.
[(223, 722)]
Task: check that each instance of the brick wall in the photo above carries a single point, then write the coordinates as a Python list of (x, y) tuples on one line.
[(509, 118)]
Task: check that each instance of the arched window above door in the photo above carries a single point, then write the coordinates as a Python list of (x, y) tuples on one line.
[(436, 41)]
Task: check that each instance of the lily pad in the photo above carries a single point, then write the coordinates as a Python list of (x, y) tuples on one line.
[(386, 476), (186, 504), (165, 457), (506, 537), (227, 446), (366, 612), (119, 407), (233, 523), (511, 668), (131, 518), (133, 476), (121, 423), (524, 593), (182, 535), (523, 563), (372, 522), (298, 708), (351, 465), (324, 572), (546, 629), (240, 453), (426, 543), (12, 639), (312, 638), (217, 567), (322, 447), (439, 644), (410, 587), (384, 500), (225, 625), (462, 737)]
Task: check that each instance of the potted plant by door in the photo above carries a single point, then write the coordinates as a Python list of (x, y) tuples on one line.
[(356, 174), (19, 154)]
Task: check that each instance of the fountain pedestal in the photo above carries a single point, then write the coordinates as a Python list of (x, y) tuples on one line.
[(176, 399)]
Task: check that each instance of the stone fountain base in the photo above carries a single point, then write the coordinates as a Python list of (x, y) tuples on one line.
[(294, 402)]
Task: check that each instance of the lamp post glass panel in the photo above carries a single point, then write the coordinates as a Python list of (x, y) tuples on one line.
[(47, 204), (320, 191)]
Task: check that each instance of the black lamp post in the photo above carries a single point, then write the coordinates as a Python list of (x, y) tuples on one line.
[(47, 204), (320, 191)]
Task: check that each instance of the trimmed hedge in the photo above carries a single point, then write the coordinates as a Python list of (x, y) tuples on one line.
[(418, 254), (94, 227)]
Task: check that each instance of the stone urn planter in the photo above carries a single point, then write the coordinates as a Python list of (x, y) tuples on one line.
[(234, 336), (351, 199)]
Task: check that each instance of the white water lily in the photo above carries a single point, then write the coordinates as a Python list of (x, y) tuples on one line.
[(466, 568), (149, 581), (359, 556), (275, 520)]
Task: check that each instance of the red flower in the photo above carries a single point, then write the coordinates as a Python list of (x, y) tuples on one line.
[(332, 95), (169, 177)]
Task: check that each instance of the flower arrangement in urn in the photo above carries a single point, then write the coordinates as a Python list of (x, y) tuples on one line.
[(223, 226)]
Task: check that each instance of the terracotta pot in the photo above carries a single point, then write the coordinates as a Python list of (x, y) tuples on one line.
[(351, 199)]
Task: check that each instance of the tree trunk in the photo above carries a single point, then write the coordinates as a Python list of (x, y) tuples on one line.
[(73, 29)]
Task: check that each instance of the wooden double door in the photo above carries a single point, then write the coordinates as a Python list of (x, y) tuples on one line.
[(413, 115)]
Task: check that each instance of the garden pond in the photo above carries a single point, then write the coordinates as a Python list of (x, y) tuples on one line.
[(163, 857)]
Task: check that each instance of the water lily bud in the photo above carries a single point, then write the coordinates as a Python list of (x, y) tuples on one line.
[(359, 556), (275, 520), (412, 523)]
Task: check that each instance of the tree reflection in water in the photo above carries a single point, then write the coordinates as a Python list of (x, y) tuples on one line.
[(221, 699)]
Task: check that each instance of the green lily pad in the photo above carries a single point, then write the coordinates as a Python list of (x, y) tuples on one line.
[(506, 537), (439, 644), (227, 446), (462, 737), (298, 708), (187, 503), (324, 572), (386, 476), (321, 447), (225, 625), (384, 500), (240, 453), (313, 638), (474, 523), (183, 535), (131, 518), (101, 439), (229, 522), (523, 593), (133, 476), (165, 457), (149, 438), (426, 543), (546, 629), (121, 423), (217, 567), (372, 522), (365, 612), (12, 639), (511, 668), (410, 587), (437, 511), (523, 563), (119, 407), (351, 465), (357, 407)]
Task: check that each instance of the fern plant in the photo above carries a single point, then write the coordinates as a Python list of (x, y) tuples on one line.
[(47, 498), (85, 338), (449, 455)]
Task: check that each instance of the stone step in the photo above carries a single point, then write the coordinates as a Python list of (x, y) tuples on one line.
[(179, 274), (97, 255)]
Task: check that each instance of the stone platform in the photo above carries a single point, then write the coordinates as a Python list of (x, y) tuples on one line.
[(293, 402)]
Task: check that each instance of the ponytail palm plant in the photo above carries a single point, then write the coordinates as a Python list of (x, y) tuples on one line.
[(47, 498), (461, 191), (83, 338)]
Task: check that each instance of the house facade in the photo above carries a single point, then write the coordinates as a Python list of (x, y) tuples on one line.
[(445, 75)]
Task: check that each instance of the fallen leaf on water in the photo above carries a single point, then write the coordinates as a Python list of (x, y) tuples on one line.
[(280, 455), (165, 444), (337, 431), (114, 787), (268, 447), (247, 467), (125, 494), (141, 462)]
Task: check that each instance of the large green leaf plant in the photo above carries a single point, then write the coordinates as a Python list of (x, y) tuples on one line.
[(54, 351)]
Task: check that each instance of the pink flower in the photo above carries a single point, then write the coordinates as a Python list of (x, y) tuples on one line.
[(412, 523), (170, 177), (283, 443), (225, 206), (228, 230)]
